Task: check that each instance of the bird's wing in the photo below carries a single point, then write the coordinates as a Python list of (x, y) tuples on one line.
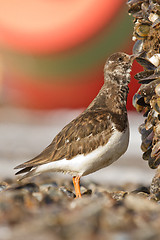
[(80, 136)]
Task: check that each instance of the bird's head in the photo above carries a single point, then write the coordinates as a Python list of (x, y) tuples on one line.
[(118, 65)]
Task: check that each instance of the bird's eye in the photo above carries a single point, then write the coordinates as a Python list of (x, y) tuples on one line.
[(120, 59)]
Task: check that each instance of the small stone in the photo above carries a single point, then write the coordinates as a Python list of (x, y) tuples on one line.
[(119, 195), (30, 187), (67, 192), (139, 203), (38, 196), (46, 186), (47, 199), (55, 193), (3, 186), (142, 189), (87, 192)]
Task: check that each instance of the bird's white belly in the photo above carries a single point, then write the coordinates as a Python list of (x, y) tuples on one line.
[(85, 164)]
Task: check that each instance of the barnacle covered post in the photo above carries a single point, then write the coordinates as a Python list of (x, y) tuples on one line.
[(146, 35)]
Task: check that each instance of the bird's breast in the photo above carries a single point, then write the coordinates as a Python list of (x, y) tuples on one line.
[(105, 155)]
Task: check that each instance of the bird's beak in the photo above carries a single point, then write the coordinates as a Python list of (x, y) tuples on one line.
[(133, 57)]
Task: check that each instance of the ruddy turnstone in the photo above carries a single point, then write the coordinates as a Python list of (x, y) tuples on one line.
[(97, 137)]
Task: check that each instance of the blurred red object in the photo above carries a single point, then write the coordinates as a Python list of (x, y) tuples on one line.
[(52, 26), (46, 96), (54, 51)]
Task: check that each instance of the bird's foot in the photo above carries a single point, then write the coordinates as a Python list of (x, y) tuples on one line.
[(76, 183)]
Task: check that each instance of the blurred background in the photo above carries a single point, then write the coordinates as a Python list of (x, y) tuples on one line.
[(53, 52), (52, 55)]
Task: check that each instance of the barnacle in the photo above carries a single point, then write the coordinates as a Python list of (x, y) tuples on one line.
[(146, 35), (142, 29)]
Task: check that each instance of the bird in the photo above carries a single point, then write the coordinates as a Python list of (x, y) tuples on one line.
[(97, 137)]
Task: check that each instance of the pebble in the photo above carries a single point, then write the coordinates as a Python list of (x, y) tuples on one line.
[(2, 187), (30, 187), (67, 192), (46, 186), (48, 209)]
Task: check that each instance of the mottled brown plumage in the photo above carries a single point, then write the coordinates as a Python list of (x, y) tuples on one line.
[(105, 116), (92, 128)]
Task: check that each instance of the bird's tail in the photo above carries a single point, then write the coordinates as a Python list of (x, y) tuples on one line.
[(30, 173)]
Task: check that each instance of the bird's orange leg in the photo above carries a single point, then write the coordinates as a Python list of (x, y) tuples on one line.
[(76, 182)]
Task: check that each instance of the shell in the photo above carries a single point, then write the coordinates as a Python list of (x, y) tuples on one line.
[(133, 2), (157, 90), (135, 98), (155, 103), (153, 17), (145, 63), (141, 102), (152, 163), (146, 144), (150, 78), (138, 47), (143, 75), (155, 7), (155, 59), (156, 23), (146, 33), (142, 29), (148, 90), (145, 134), (146, 111), (147, 154), (134, 6), (156, 150), (151, 119), (138, 107)]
